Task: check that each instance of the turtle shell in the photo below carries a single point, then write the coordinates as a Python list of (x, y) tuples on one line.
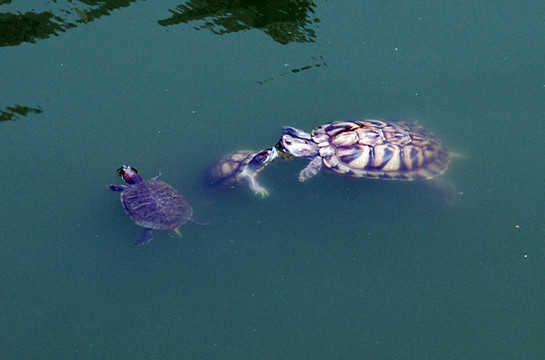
[(381, 150), (228, 171), (155, 204)]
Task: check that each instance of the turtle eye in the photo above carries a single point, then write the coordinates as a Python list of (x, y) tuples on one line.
[(258, 158)]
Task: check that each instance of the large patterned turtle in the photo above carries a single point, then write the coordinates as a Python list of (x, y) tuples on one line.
[(240, 166), (152, 203), (367, 148)]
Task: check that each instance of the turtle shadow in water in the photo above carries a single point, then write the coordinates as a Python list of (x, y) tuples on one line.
[(441, 192), (419, 195)]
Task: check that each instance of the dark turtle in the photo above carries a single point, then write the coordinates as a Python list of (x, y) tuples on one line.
[(367, 148), (151, 203), (240, 166)]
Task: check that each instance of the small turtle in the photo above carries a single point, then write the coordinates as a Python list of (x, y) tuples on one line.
[(239, 166), (367, 148), (151, 203)]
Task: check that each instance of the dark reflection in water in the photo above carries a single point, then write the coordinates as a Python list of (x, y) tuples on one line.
[(30, 26), (284, 20), (13, 112)]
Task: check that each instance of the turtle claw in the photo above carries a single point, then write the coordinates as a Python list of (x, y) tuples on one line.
[(261, 191)]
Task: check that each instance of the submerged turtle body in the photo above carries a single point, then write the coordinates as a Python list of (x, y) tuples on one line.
[(229, 170), (240, 166), (152, 203), (367, 148)]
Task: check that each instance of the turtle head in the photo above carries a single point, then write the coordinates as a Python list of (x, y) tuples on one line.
[(298, 133), (293, 146), (262, 159), (129, 174)]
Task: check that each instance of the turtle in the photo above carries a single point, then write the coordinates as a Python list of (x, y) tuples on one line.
[(152, 204), (240, 166), (372, 149)]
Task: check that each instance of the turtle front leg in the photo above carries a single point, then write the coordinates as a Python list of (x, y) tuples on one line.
[(116, 187), (312, 169), (257, 189)]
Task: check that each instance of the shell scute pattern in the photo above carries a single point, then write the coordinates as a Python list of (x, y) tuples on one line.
[(376, 149), (156, 205), (344, 139), (387, 157), (229, 170), (370, 138)]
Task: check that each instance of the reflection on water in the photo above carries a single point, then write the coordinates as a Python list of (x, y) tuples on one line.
[(27, 27), (19, 25), (13, 112), (284, 20)]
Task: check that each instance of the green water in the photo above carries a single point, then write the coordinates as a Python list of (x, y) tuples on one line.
[(334, 268)]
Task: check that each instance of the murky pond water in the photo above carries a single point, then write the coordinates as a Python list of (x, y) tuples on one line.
[(332, 268)]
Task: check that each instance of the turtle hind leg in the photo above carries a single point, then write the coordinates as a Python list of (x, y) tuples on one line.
[(178, 232), (146, 237)]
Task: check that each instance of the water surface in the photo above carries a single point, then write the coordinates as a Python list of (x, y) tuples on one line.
[(332, 268)]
